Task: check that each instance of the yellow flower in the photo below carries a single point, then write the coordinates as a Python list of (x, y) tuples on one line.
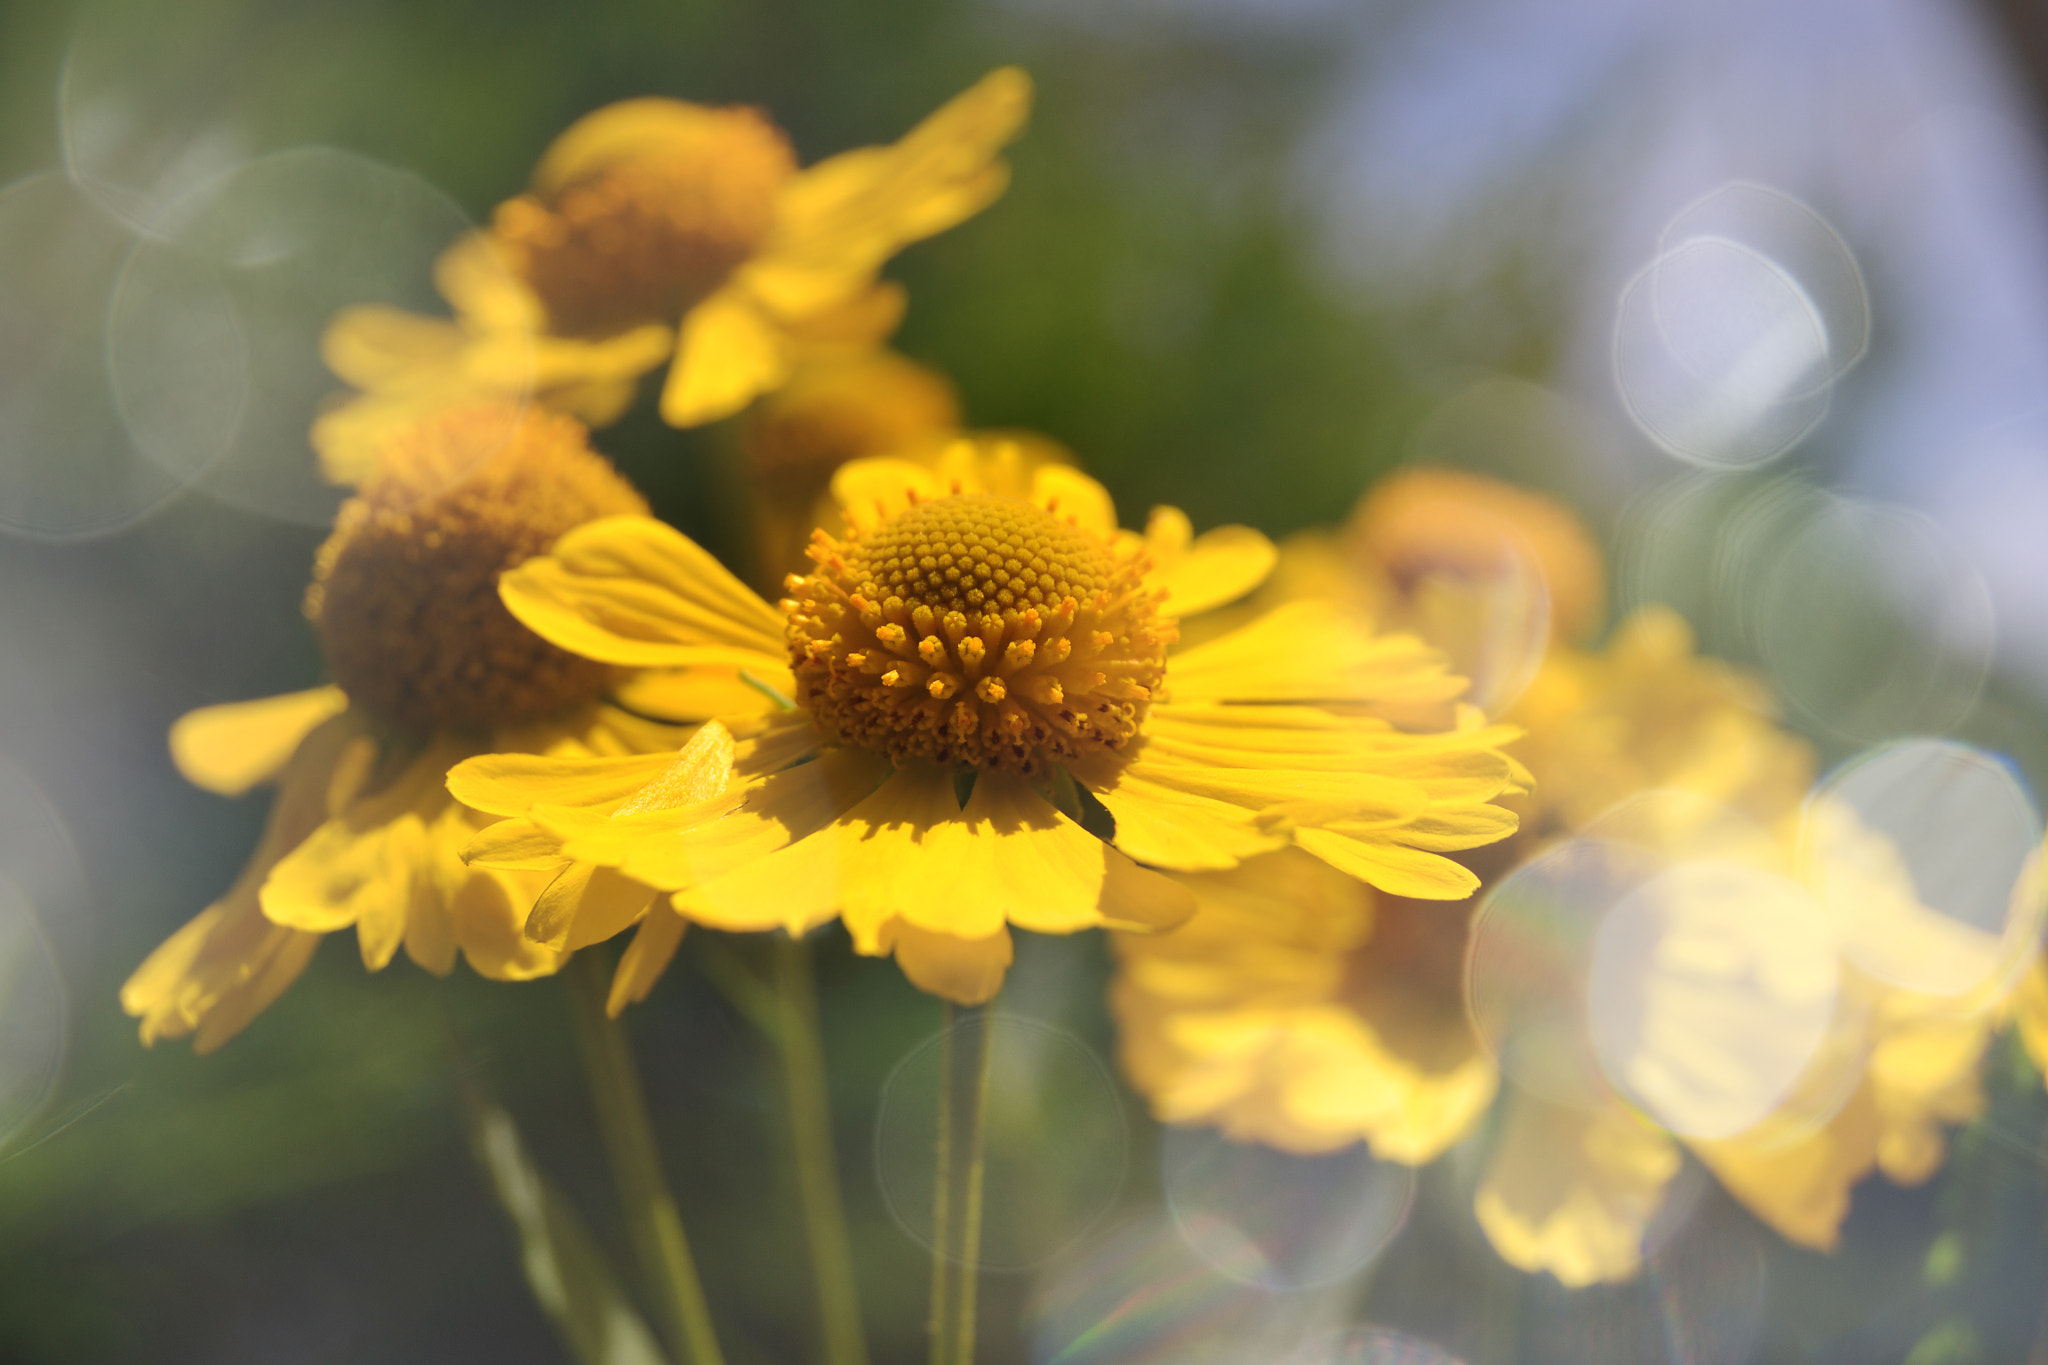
[(657, 228), (429, 669), (1572, 1190), (980, 679), (1424, 526), (1304, 1010), (1256, 1016)]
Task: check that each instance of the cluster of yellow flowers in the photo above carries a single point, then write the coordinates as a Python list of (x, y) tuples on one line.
[(1279, 775)]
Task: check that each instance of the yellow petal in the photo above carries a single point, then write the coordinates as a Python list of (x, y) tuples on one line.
[(650, 127), (586, 904), (966, 971), (489, 910), (430, 939), (1166, 827), (365, 865), (1393, 868), (1068, 492), (730, 351), (1200, 573), (777, 811), (686, 694), (515, 845), (228, 964), (486, 295), (215, 974), (1572, 1192), (854, 866), (1797, 1178), (645, 958), (862, 321), (513, 784), (839, 220), (230, 748), (371, 346), (1012, 858), (1312, 651), (634, 591)]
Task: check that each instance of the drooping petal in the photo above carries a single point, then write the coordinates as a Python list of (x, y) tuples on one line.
[(1012, 858), (367, 863), (229, 963), (230, 748), (645, 958), (858, 867), (489, 910), (966, 971), (586, 904), (774, 813)]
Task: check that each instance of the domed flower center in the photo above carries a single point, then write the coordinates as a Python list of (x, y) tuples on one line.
[(977, 630), (405, 592), (644, 237)]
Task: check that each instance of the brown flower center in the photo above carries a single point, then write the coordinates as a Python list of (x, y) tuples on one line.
[(405, 592), (644, 237), (978, 630)]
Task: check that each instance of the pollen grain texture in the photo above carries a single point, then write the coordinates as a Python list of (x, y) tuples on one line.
[(405, 591), (976, 630)]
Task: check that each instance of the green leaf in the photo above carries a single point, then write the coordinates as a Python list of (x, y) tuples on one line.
[(564, 1268)]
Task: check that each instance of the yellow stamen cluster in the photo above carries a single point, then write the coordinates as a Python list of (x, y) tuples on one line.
[(642, 238), (976, 630), (405, 592)]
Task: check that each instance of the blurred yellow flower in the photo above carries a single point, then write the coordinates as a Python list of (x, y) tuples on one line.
[(1304, 1010), (1294, 1015), (1426, 524), (429, 669), (967, 663), (657, 228)]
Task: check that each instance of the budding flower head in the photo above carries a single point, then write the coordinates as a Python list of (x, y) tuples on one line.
[(405, 591)]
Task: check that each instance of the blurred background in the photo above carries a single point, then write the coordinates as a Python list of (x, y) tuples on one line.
[(1760, 288)]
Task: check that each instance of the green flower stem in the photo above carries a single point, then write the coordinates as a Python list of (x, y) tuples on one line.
[(651, 1212), (961, 1161), (810, 1127)]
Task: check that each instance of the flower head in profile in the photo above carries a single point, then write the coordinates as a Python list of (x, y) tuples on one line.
[(429, 668), (659, 230), (989, 728)]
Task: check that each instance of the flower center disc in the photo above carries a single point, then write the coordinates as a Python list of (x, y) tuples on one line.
[(645, 237), (405, 592), (977, 630)]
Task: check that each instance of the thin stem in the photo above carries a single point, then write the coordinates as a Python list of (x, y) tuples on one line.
[(957, 1195), (651, 1212), (817, 1173), (942, 1190)]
